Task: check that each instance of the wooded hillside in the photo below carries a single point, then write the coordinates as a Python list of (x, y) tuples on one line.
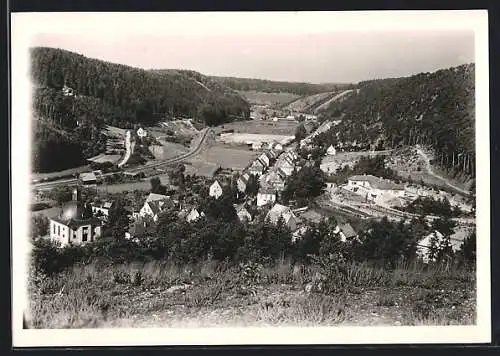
[(271, 86), (106, 93), (435, 109)]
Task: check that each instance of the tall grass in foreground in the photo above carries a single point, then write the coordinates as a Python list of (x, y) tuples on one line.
[(88, 296)]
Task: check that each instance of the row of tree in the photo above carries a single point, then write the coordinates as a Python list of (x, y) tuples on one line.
[(270, 86)]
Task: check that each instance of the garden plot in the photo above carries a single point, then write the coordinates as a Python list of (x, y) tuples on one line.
[(226, 157), (280, 127)]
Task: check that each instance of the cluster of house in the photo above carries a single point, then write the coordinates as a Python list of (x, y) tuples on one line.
[(272, 168), (73, 226), (298, 221)]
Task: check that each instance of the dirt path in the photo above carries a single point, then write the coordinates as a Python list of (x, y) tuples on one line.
[(428, 167), (128, 150)]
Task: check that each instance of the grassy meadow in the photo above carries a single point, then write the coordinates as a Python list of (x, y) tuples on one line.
[(160, 294)]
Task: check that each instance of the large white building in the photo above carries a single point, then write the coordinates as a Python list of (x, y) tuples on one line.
[(375, 189), (72, 226)]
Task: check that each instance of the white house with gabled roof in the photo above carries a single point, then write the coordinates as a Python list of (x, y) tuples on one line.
[(331, 151), (215, 190)]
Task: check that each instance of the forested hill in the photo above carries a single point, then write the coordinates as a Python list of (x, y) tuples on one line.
[(133, 95), (435, 109), (271, 86), (107, 93)]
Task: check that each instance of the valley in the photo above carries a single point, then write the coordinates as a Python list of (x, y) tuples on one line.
[(190, 199)]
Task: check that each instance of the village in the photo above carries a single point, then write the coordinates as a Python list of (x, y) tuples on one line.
[(255, 191)]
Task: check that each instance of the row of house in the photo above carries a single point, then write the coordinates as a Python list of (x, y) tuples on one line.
[(274, 181)]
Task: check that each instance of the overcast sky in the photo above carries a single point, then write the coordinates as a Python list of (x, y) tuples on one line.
[(275, 52)]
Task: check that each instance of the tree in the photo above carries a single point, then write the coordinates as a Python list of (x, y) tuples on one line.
[(118, 221), (176, 175), (221, 209), (468, 249), (252, 187), (46, 256), (39, 226), (156, 186), (442, 250), (305, 184), (300, 133), (61, 194), (87, 212), (387, 242)]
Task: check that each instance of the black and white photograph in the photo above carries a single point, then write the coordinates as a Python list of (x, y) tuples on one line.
[(250, 178)]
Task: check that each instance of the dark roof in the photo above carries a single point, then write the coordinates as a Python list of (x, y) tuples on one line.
[(267, 191), (75, 223), (313, 216)]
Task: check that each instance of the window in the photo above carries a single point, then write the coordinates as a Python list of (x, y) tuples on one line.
[(74, 234), (54, 228), (58, 230), (85, 234)]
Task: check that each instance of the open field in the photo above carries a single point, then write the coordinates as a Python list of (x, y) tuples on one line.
[(66, 172), (168, 150), (226, 157), (246, 138), (158, 294), (49, 212), (263, 98), (200, 167), (282, 127), (144, 185)]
